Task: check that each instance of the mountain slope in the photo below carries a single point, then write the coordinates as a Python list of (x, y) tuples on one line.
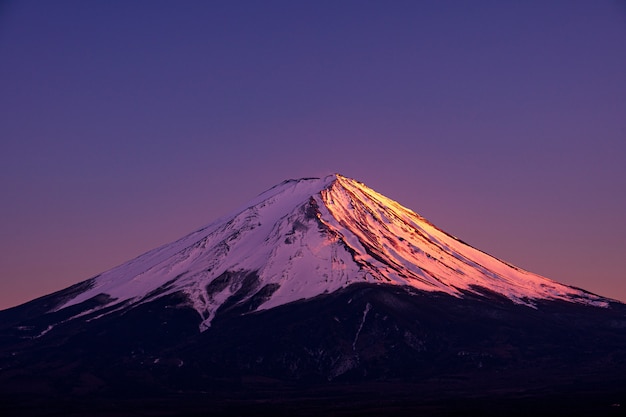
[(313, 236)]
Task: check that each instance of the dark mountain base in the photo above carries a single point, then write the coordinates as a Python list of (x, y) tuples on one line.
[(430, 398), (366, 350)]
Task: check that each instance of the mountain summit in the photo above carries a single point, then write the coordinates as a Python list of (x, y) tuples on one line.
[(320, 296), (313, 236)]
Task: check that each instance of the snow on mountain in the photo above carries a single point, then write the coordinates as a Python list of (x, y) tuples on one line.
[(307, 237)]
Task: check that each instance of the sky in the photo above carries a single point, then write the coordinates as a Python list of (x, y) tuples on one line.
[(128, 124)]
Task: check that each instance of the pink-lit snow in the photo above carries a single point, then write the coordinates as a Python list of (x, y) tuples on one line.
[(315, 236)]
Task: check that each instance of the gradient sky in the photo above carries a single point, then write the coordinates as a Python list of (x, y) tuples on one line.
[(126, 125)]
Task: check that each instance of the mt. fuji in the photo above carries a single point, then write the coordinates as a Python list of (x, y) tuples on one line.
[(312, 236), (316, 281)]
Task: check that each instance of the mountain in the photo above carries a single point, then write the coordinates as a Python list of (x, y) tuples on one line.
[(319, 295)]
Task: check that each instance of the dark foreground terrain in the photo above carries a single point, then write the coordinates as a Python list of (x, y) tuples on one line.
[(599, 397), (366, 350)]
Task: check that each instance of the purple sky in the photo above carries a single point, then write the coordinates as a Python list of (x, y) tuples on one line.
[(126, 125)]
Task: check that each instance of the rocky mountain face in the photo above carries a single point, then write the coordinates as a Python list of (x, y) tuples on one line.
[(320, 295)]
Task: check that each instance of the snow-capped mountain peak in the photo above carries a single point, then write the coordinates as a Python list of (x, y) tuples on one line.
[(311, 236)]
